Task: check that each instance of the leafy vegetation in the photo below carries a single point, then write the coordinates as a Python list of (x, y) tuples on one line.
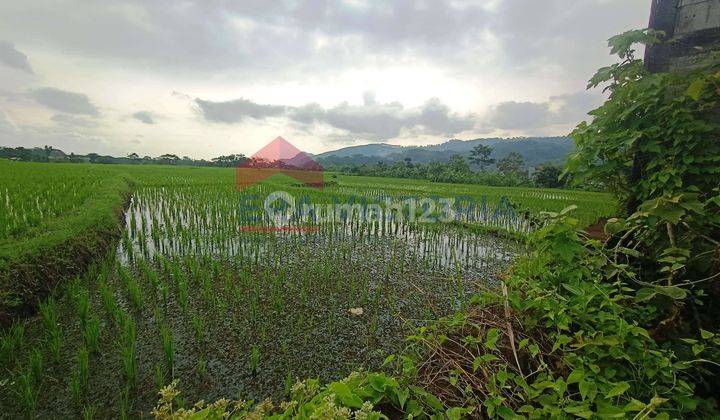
[(510, 171)]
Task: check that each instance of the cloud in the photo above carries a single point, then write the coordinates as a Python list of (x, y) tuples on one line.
[(64, 101), (271, 37), (7, 127), (568, 109), (66, 136), (11, 57), (70, 120), (144, 117), (237, 110), (519, 115), (371, 120)]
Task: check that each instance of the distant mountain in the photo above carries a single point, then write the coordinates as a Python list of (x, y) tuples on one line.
[(375, 149), (534, 150)]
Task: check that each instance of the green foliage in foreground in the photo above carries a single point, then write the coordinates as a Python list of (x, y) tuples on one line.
[(359, 396)]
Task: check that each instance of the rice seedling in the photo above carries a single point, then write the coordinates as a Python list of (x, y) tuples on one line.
[(91, 333), (201, 367), (254, 359), (88, 412), (134, 293), (83, 366), (288, 383), (75, 388), (55, 344), (124, 403), (36, 365), (107, 296), (27, 393), (168, 349), (82, 304), (128, 351), (48, 313), (159, 377), (199, 326), (183, 293), (11, 342)]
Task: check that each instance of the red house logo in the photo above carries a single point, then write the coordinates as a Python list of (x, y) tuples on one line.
[(280, 157)]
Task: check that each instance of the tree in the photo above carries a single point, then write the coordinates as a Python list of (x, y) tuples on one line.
[(133, 156), (548, 176), (512, 163), (168, 159), (480, 156), (229, 160)]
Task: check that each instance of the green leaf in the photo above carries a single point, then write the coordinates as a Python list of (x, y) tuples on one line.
[(576, 376), (696, 89), (584, 387), (647, 293), (345, 395), (389, 360), (492, 336), (572, 289), (402, 394), (618, 389), (706, 335), (456, 413), (698, 348), (581, 410)]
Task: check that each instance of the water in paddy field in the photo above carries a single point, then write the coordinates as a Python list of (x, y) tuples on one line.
[(287, 295), (160, 224)]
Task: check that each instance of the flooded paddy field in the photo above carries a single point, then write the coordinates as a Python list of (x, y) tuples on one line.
[(209, 287)]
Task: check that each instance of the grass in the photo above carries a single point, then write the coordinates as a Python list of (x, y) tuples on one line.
[(55, 220), (188, 294)]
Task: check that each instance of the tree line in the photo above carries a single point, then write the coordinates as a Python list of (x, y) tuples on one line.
[(49, 154), (476, 169)]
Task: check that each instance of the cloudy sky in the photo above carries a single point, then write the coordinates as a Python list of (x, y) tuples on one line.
[(209, 77)]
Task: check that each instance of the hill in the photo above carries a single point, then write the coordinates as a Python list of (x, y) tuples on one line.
[(534, 150)]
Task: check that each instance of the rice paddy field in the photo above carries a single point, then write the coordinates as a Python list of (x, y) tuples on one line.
[(201, 285)]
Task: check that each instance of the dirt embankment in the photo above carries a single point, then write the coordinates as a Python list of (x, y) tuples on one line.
[(30, 268)]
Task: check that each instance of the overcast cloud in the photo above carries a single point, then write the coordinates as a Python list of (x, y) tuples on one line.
[(228, 76), (144, 117), (64, 101), (11, 57), (371, 120)]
